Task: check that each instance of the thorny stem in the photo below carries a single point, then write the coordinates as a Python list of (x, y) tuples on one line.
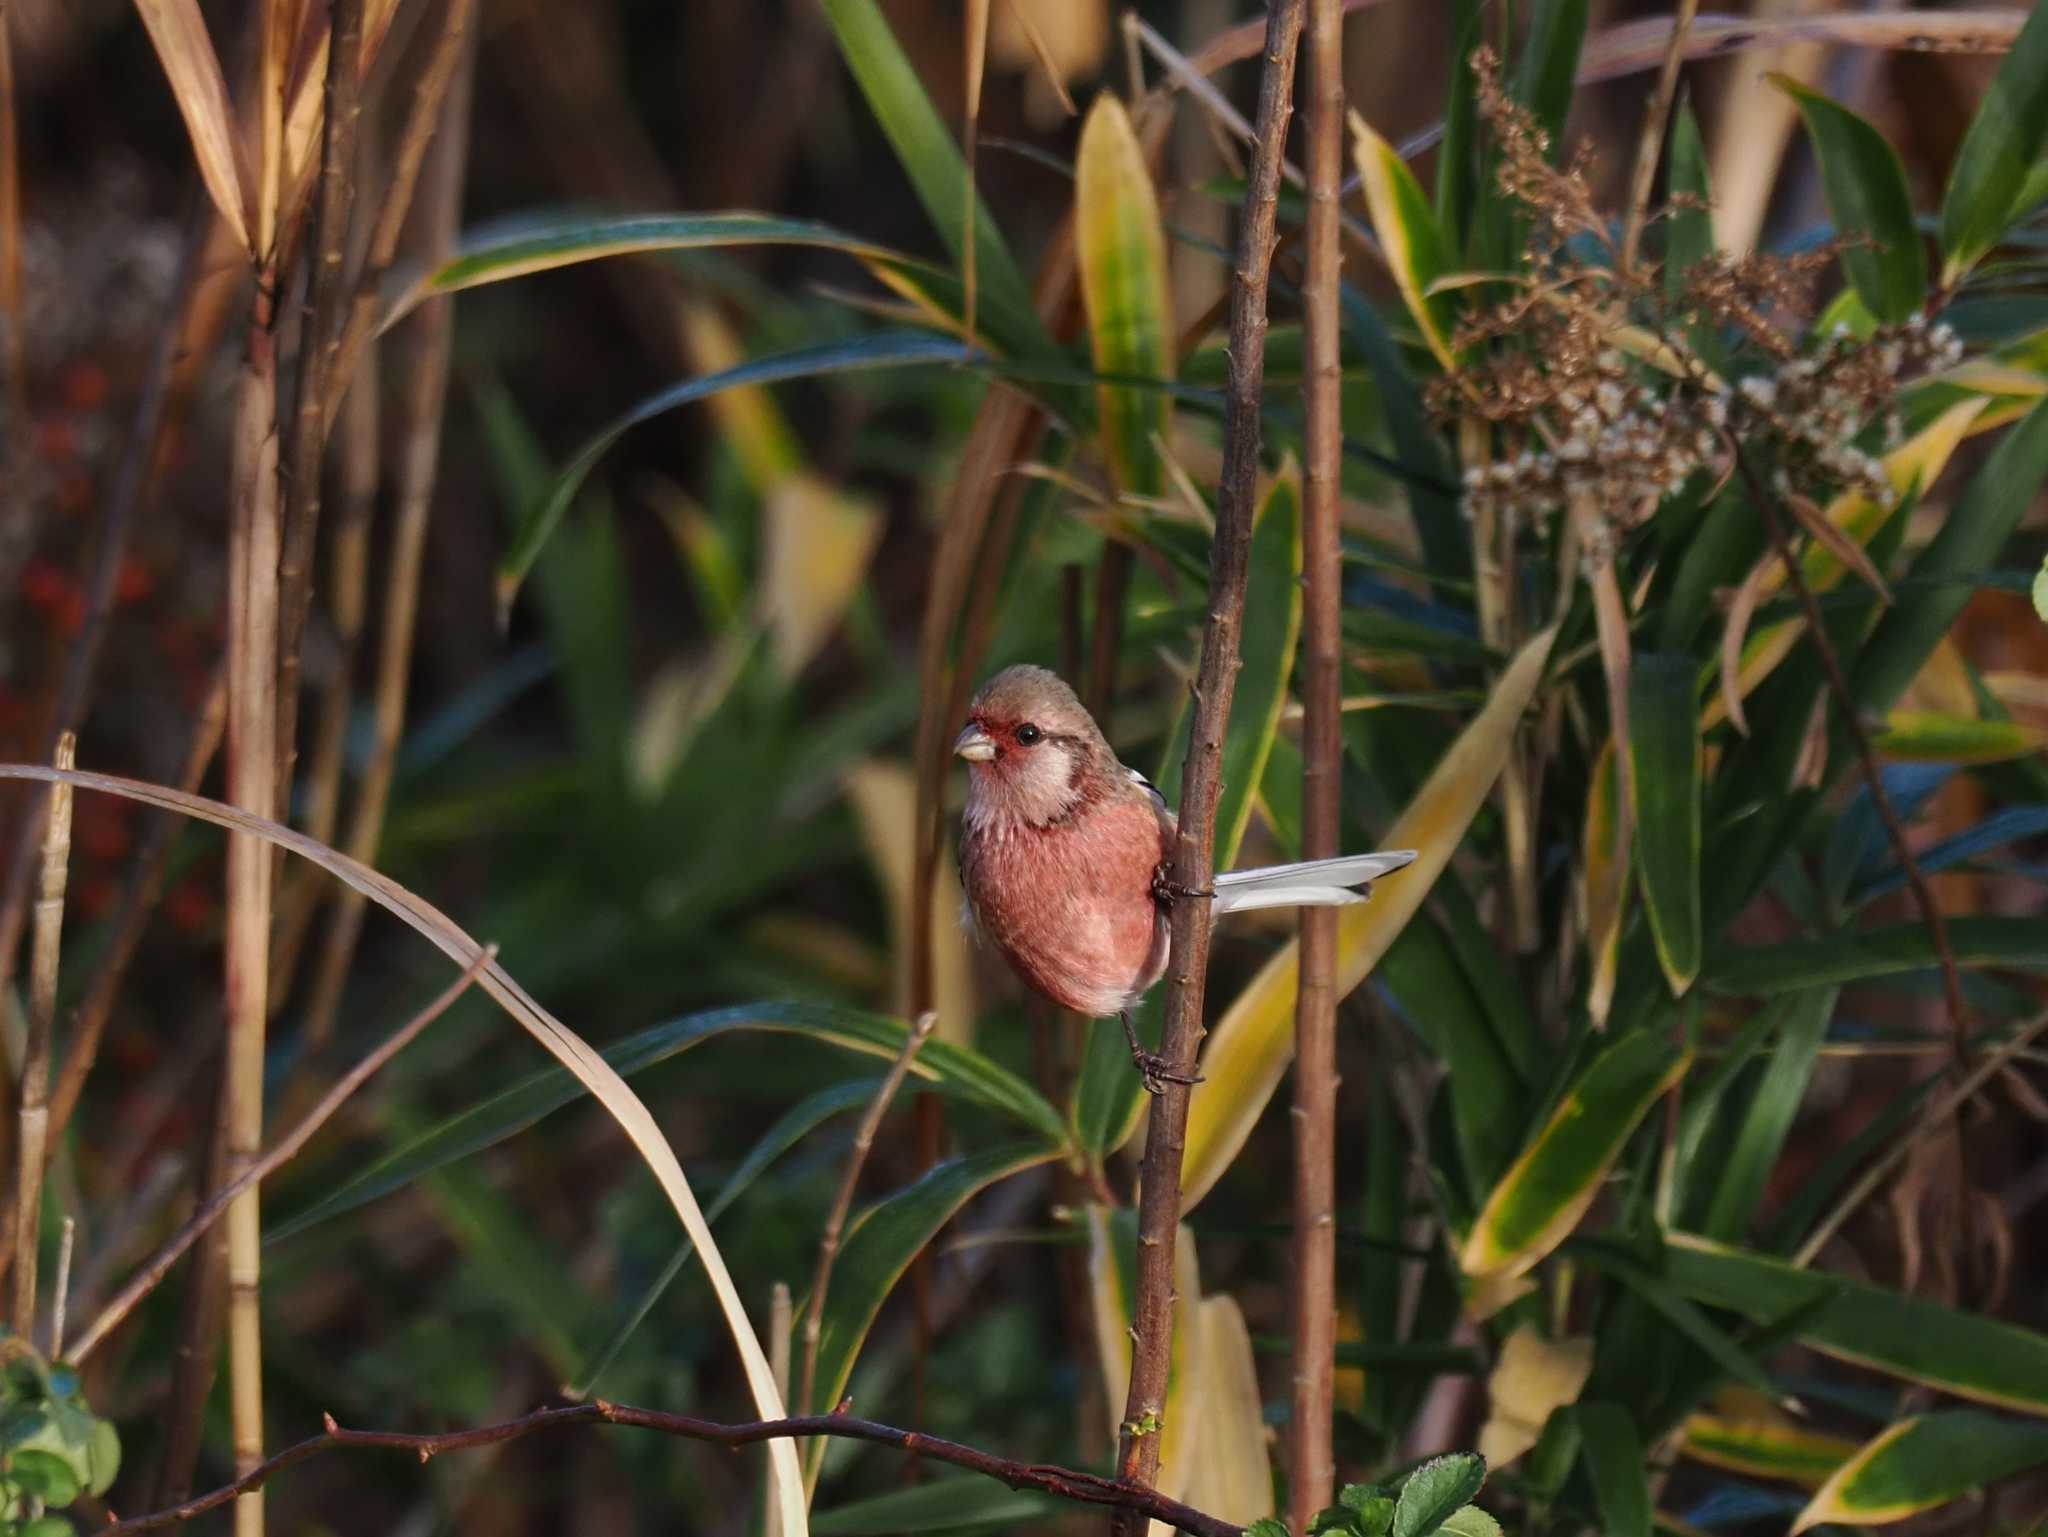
[(147, 1278), (1066, 1483), (842, 1202), (1881, 801), (1216, 681), (1311, 1464)]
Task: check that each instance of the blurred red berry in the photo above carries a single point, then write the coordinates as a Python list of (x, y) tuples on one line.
[(56, 443), (134, 582), (94, 895), (43, 584), (83, 385)]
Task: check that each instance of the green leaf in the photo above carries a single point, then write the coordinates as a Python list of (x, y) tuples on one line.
[(1738, 1182), (1761, 970), (1683, 1315), (1272, 623), (957, 1071), (1614, 1461), (1108, 1091), (1434, 1490), (1457, 160), (1966, 543), (1549, 65), (2041, 590), (796, 1123), (1923, 1462), (1470, 1522), (943, 1505), (883, 1241), (888, 349), (1689, 229), (2004, 826), (1867, 197), (1121, 251), (1664, 754), (2003, 145), (1970, 1356), (923, 144), (1541, 1198), (43, 1476)]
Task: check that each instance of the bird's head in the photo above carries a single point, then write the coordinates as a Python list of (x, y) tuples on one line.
[(1033, 751)]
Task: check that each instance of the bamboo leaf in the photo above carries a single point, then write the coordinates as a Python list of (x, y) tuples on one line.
[(1867, 198), (1122, 254), (1416, 250), (1532, 1378), (1738, 1181), (2002, 146), (1664, 756), (1604, 882), (2001, 827), (1929, 736), (1856, 956), (942, 1505), (178, 32), (539, 519), (1967, 543), (924, 146), (884, 797), (1745, 1433), (1920, 1463), (1965, 1354), (1231, 1474), (1112, 1276), (882, 1242), (591, 1070), (956, 1071), (1689, 227), (1545, 73), (1542, 1196), (1248, 1052)]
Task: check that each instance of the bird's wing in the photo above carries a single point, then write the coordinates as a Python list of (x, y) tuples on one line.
[(1311, 883), (1166, 818)]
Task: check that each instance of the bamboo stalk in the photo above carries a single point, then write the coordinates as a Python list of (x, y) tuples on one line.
[(1229, 558), (32, 1140), (1313, 1284), (424, 372)]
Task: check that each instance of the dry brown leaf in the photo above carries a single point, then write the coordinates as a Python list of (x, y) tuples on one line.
[(179, 34), (1533, 1376), (1742, 604), (1851, 554)]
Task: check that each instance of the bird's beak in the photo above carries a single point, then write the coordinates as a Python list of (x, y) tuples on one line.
[(974, 744)]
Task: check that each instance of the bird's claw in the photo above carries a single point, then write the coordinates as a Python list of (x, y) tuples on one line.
[(1153, 1070), (1166, 890)]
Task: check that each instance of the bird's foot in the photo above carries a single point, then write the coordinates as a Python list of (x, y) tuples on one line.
[(1166, 890), (1156, 1074)]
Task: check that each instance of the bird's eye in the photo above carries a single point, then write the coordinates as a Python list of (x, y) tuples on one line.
[(1027, 734)]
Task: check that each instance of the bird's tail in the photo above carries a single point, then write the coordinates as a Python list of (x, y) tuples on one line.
[(1312, 883)]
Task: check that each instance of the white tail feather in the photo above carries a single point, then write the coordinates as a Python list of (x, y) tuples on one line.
[(1311, 883)]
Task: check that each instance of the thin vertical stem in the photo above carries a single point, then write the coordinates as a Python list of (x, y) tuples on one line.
[(1655, 113), (14, 359), (35, 1057), (1311, 1464), (1215, 682)]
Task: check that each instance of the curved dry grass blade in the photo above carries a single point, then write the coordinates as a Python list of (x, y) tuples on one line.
[(1839, 544), (1741, 608), (193, 68), (562, 1043)]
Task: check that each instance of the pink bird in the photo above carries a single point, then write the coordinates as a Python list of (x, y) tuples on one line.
[(1064, 854)]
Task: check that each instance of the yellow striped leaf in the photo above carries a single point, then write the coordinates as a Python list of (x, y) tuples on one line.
[(1417, 253), (1920, 1463)]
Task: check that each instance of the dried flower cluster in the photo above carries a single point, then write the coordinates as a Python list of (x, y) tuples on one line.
[(1598, 402)]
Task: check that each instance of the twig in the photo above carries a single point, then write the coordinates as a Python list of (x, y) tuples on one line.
[(319, 345), (1655, 112), (148, 1277), (1881, 801), (781, 1323), (1311, 1462), (835, 1220), (131, 917), (1159, 1202), (61, 1297), (1066, 1483), (35, 1056), (1993, 1062), (425, 375)]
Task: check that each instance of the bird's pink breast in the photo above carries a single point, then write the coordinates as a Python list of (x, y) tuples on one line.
[(1070, 906)]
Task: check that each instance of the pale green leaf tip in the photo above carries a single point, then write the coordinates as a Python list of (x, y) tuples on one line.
[(2041, 590)]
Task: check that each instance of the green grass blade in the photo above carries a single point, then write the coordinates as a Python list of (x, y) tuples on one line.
[(1867, 198), (883, 1241), (943, 1505), (539, 519), (1547, 71), (1739, 1180), (1122, 256), (1689, 229), (923, 145), (1920, 1463), (1970, 1356), (1664, 753), (1836, 959), (1614, 1461), (956, 1071), (2002, 146)]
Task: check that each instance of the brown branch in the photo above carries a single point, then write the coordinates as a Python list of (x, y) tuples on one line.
[(1881, 801), (1313, 1295), (1215, 682), (146, 1279), (1066, 1483), (319, 346), (842, 1202)]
